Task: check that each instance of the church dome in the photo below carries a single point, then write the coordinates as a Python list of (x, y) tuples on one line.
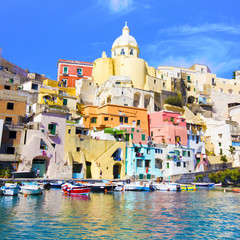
[(125, 39)]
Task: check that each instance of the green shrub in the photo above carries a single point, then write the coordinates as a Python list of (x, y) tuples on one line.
[(174, 100)]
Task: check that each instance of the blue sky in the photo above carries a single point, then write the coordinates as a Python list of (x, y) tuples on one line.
[(34, 34)]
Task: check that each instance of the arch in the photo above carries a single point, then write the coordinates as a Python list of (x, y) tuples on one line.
[(117, 171), (136, 99), (191, 99), (40, 162), (147, 98)]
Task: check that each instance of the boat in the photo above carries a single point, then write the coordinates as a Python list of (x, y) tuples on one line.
[(236, 190), (56, 184), (31, 188), (139, 186), (166, 186), (218, 184), (203, 185), (188, 187), (102, 187), (10, 189), (76, 189)]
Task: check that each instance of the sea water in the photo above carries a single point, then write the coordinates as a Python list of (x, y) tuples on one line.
[(204, 214)]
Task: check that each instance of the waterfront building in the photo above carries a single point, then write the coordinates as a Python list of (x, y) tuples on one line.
[(12, 112), (44, 144), (223, 135), (168, 127), (69, 71), (90, 153), (141, 163), (111, 116)]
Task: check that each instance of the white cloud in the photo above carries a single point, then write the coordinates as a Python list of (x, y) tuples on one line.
[(204, 28), (220, 55), (118, 6)]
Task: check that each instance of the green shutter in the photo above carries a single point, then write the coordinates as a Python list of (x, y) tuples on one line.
[(138, 122), (65, 101), (127, 137), (143, 137), (52, 128)]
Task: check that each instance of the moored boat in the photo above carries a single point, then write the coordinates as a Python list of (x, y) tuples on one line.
[(203, 185), (56, 184), (134, 186), (10, 189), (187, 187), (30, 188), (236, 190), (102, 187), (166, 186), (76, 189)]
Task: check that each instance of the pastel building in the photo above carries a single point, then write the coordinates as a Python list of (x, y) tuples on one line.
[(168, 127), (140, 162), (43, 147), (111, 116), (90, 154), (69, 71)]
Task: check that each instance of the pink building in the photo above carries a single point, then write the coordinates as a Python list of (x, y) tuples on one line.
[(168, 127)]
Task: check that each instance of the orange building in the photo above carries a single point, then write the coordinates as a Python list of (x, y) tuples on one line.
[(114, 115), (69, 71)]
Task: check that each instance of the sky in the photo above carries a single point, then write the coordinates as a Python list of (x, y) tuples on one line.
[(35, 34)]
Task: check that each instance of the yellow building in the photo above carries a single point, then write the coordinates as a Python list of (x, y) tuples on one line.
[(125, 61), (87, 157)]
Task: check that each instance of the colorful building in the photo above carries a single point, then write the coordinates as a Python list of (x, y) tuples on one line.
[(168, 127), (69, 71), (111, 116)]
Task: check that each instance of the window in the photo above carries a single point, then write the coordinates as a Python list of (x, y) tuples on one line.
[(43, 145), (151, 134), (197, 139), (69, 131), (167, 165), (79, 71), (7, 87), (184, 153), (52, 128), (105, 118), (131, 51), (94, 120), (188, 79), (53, 145), (12, 134), (8, 120), (158, 163), (78, 149), (126, 120), (65, 101), (138, 122), (184, 164), (219, 144), (178, 164), (189, 154), (154, 81), (139, 163), (10, 150), (34, 86), (121, 119), (64, 81), (132, 129), (122, 51), (143, 137), (65, 70), (10, 106)]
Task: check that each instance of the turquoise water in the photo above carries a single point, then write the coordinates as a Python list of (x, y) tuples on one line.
[(130, 215)]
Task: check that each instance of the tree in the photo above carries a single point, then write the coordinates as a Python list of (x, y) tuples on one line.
[(223, 158), (232, 150), (174, 100)]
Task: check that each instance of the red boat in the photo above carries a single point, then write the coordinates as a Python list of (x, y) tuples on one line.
[(236, 190), (76, 189)]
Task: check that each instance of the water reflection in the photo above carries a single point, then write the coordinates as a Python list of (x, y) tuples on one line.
[(133, 215)]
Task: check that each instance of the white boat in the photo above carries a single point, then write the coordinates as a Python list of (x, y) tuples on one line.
[(31, 188), (10, 189), (134, 186), (173, 187)]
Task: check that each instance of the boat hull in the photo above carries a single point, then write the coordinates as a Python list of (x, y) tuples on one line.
[(10, 192), (31, 191)]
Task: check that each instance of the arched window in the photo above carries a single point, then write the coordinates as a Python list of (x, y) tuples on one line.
[(122, 51), (131, 51)]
